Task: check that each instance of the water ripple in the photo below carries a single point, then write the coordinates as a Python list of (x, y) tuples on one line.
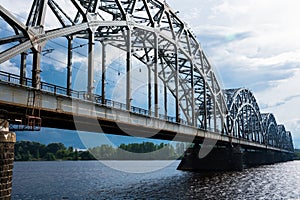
[(93, 180)]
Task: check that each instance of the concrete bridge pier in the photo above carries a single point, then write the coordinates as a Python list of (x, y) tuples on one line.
[(265, 157), (225, 158), (259, 157), (7, 142)]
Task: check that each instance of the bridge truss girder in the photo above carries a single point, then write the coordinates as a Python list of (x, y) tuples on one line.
[(248, 123), (147, 30), (150, 31), (245, 115)]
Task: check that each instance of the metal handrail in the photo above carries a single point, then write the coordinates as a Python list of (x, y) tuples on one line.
[(55, 89)]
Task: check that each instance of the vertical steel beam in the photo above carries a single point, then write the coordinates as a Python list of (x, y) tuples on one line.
[(36, 70), (90, 84), (37, 13), (103, 92), (42, 12), (23, 68), (149, 91), (214, 103), (166, 100), (177, 113), (156, 76), (205, 104), (69, 65), (128, 70), (204, 95), (193, 122), (193, 94)]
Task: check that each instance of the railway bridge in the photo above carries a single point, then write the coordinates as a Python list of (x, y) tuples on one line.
[(127, 67)]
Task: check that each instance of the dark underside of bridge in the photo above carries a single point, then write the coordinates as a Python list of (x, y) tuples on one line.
[(67, 121), (230, 158), (221, 157)]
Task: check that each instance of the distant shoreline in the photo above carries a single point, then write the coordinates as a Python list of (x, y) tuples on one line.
[(34, 151)]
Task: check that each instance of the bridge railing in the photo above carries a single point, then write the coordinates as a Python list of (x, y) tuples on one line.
[(13, 79), (55, 89)]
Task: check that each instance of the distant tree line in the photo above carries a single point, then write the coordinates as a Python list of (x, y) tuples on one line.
[(297, 154), (31, 151), (139, 151)]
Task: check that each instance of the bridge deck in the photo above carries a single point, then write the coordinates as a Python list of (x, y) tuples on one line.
[(64, 112)]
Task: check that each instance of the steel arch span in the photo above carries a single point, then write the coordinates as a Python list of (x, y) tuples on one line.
[(147, 30), (244, 115), (150, 32), (271, 129), (284, 138)]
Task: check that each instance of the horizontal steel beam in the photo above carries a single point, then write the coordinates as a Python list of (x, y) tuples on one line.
[(63, 112)]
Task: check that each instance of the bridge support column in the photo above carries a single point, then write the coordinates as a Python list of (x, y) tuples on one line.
[(23, 68), (69, 65), (7, 141), (218, 159), (264, 157)]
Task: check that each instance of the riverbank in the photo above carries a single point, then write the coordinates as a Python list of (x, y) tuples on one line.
[(297, 154), (34, 151)]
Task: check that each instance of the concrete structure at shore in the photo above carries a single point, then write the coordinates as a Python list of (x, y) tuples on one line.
[(7, 141)]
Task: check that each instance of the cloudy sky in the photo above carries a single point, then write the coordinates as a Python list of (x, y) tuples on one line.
[(253, 44)]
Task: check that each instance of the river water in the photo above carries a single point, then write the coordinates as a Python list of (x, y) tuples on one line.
[(98, 180)]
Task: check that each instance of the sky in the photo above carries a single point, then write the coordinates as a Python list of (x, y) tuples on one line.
[(253, 44)]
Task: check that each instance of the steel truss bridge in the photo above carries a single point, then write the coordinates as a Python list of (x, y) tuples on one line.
[(147, 31)]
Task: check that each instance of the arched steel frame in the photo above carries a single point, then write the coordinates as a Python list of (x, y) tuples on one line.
[(271, 129), (150, 31), (244, 115), (284, 138)]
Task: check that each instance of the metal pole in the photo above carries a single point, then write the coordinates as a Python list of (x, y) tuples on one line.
[(149, 91), (166, 100), (69, 67), (36, 70), (205, 104), (23, 68), (177, 86), (90, 85), (128, 71), (204, 96), (193, 94), (103, 97), (215, 108), (156, 76)]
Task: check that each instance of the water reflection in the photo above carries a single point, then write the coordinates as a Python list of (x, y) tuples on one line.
[(93, 180)]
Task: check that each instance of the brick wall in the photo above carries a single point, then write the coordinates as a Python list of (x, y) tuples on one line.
[(7, 141)]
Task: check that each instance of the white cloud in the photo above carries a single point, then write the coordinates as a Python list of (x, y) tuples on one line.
[(10, 67), (22, 8), (253, 44)]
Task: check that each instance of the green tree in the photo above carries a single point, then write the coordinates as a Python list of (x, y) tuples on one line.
[(50, 156), (54, 147), (86, 155), (75, 156)]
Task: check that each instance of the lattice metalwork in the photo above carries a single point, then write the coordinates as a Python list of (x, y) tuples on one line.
[(150, 31), (246, 121), (271, 129), (284, 138), (245, 115)]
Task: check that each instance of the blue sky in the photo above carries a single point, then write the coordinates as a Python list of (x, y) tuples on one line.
[(253, 44)]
